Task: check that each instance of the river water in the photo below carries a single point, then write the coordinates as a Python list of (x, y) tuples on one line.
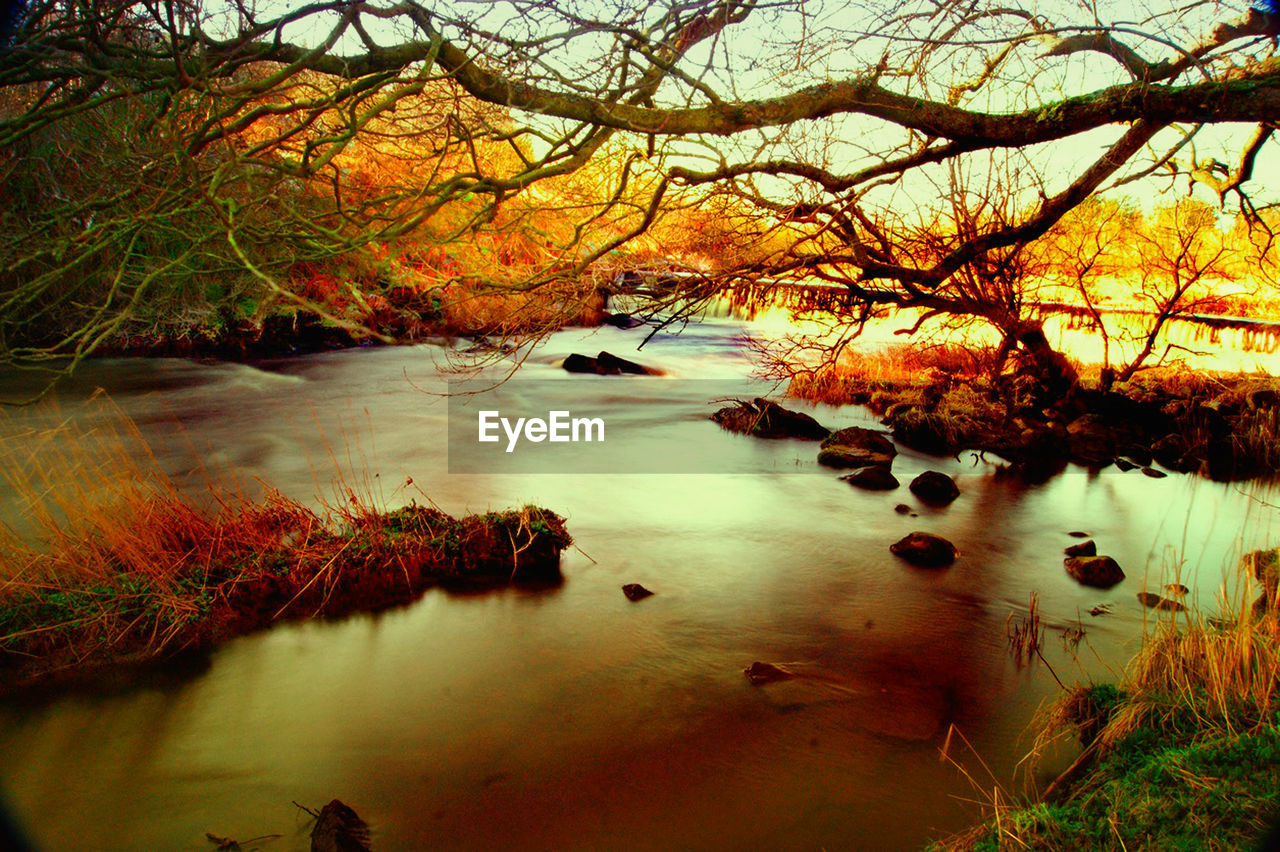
[(571, 717)]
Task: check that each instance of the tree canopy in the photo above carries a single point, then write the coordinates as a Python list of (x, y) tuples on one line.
[(907, 151)]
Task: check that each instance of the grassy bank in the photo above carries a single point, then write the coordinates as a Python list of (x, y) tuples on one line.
[(942, 400), (1182, 753), (118, 565)]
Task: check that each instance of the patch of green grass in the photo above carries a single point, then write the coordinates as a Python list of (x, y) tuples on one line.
[(1183, 754)]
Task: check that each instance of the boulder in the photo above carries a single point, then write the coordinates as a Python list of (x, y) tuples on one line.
[(1101, 572), (576, 363), (605, 364), (612, 364), (1084, 548), (873, 478), (760, 673), (846, 457), (635, 592), (1090, 440), (766, 419), (1125, 464), (925, 550), (339, 829), (1153, 473), (934, 488), (621, 321), (902, 509), (856, 447)]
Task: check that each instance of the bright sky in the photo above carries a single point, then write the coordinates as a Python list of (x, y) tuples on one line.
[(779, 49)]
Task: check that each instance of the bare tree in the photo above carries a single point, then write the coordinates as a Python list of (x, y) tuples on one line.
[(840, 126)]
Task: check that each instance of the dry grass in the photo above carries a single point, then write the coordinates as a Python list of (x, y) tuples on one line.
[(895, 368), (115, 563)]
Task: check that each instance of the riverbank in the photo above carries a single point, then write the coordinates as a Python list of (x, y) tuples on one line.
[(142, 581), (337, 320), (1182, 753), (1225, 427)]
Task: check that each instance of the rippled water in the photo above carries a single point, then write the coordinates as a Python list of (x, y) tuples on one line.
[(573, 718)]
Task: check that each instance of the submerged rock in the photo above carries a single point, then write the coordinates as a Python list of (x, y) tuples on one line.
[(1151, 601), (339, 829), (934, 488), (635, 592), (924, 549), (1101, 572), (873, 478), (766, 419), (760, 673), (1084, 548)]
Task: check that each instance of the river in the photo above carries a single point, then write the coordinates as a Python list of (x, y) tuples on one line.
[(572, 717)]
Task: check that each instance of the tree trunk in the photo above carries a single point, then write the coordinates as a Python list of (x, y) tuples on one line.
[(1055, 377)]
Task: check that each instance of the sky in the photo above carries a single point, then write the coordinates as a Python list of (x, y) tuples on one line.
[(798, 43)]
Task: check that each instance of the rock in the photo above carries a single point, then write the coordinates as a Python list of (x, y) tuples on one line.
[(925, 550), (854, 446), (1078, 534), (612, 364), (339, 829), (934, 488), (1153, 473), (576, 363), (761, 673), (1100, 609), (1151, 601), (635, 592), (873, 478), (1101, 572), (902, 509), (1091, 440), (1137, 456), (1125, 464), (765, 419), (1084, 548), (621, 321), (1169, 451), (605, 364), (1176, 590), (846, 457), (856, 436)]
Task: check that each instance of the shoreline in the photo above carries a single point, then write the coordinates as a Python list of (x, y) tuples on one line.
[(241, 573)]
